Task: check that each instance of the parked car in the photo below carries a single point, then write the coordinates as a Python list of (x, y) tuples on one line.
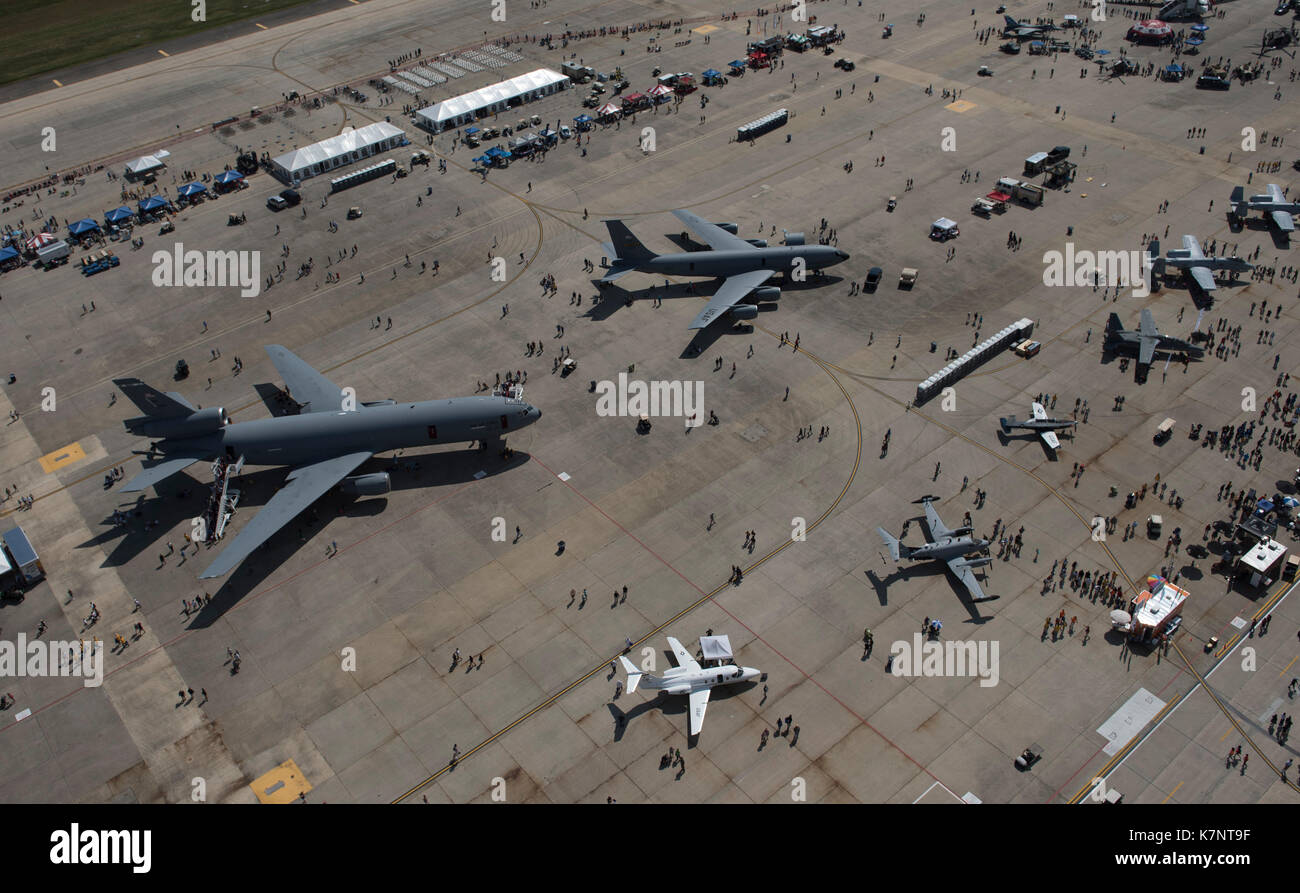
[(873, 278), (276, 203), (291, 197)]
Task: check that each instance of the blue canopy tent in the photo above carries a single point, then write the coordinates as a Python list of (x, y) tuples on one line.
[(7, 255), (712, 77), (470, 131), (83, 227), (736, 65), (229, 177), (189, 190), (583, 122), (118, 215), (152, 203)]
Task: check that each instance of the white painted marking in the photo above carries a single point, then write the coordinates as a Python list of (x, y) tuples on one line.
[(1238, 622), (563, 475), (971, 798), (21, 716), (1126, 722), (1270, 710)]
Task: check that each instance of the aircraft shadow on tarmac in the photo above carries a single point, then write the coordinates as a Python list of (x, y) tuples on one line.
[(1004, 439), (929, 569), (180, 499), (674, 706), (1281, 240)]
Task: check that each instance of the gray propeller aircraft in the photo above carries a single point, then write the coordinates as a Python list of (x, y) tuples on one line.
[(1146, 341), (1022, 31), (1046, 427), (323, 445), (689, 678), (948, 546), (1273, 203), (743, 264), (1194, 262)]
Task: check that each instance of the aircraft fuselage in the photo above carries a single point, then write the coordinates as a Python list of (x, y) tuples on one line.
[(730, 262)]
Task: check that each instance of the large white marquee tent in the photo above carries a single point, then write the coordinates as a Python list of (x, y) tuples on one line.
[(337, 151), (466, 108)]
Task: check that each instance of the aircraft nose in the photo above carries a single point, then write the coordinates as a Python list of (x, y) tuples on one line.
[(534, 412)]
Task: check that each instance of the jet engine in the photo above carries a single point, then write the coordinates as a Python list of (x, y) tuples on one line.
[(794, 239), (729, 227), (196, 424), (757, 243), (767, 293), (743, 311), (977, 562), (367, 484), (961, 531)]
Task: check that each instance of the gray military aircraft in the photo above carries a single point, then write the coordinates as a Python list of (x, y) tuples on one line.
[(1146, 341), (1273, 203), (743, 264), (1194, 262), (1021, 31), (1046, 427), (948, 546), (323, 445)]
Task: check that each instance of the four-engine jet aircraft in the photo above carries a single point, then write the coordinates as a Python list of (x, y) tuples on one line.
[(1024, 31), (1145, 341), (948, 546), (689, 678), (1194, 262), (743, 264), (1273, 203), (322, 445), (1046, 427)]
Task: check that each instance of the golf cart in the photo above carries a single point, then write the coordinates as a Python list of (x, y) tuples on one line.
[(892, 203), (354, 212), (166, 228)]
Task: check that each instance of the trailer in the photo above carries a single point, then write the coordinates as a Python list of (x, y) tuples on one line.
[(22, 555)]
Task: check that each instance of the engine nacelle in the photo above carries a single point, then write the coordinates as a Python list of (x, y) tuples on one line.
[(757, 243), (767, 293), (729, 227), (389, 402), (375, 484), (196, 424), (960, 531), (794, 239), (743, 311), (978, 562)]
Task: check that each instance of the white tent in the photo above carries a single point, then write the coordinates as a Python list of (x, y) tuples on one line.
[(715, 647), (146, 163), (335, 152), (466, 108)]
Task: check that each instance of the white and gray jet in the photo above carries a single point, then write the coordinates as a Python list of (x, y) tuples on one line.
[(743, 264), (1195, 263), (323, 445), (1045, 426), (689, 678)]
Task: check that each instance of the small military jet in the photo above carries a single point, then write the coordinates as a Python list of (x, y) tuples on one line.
[(948, 546), (1046, 427), (689, 678), (1194, 262), (1273, 203), (742, 264), (1146, 341), (1022, 31)]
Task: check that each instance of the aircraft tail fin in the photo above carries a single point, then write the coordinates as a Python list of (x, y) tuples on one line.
[(627, 247), (1238, 199), (633, 674), (1154, 258), (1011, 23), (1113, 324), (891, 543), (1006, 422)]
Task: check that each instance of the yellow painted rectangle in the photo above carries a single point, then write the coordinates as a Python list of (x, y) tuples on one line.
[(164, 53), (282, 784), (57, 82), (961, 105), (705, 29), (260, 25), (71, 453)]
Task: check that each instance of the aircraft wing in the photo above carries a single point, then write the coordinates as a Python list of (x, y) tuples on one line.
[(155, 472), (1146, 350), (1192, 247), (1050, 438), (1203, 278), (937, 528), (1275, 193), (699, 703), (1039, 411), (1284, 221), (684, 657), (305, 485), (966, 575), (1147, 325), (307, 386), (733, 290), (717, 238)]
